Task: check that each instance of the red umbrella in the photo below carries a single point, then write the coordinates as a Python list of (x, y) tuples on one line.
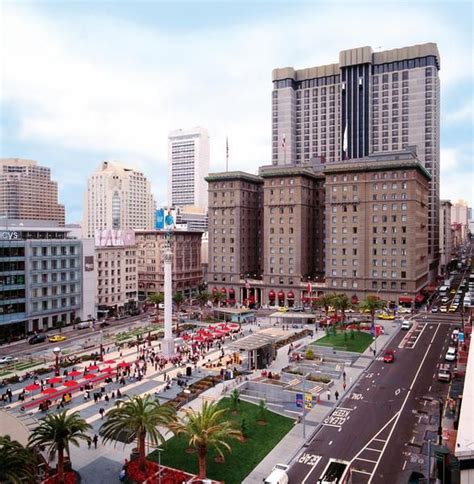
[(199, 339), (109, 362), (89, 376), (49, 391), (32, 387), (74, 373), (92, 368), (233, 326), (108, 369), (123, 364), (55, 379), (70, 383)]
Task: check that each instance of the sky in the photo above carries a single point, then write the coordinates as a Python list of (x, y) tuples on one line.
[(82, 82)]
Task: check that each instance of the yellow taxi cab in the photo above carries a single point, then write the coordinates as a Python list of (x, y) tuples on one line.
[(56, 338), (282, 309), (387, 317)]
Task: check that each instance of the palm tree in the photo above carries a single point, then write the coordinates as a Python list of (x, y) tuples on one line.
[(205, 429), (341, 302), (17, 463), (178, 299), (325, 301), (235, 399), (371, 304), (218, 297), (156, 298), (203, 298), (57, 432), (137, 418)]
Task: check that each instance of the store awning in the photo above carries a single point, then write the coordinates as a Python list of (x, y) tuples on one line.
[(291, 295), (281, 295), (215, 290), (224, 290), (354, 300), (405, 299), (271, 294), (231, 291), (420, 298)]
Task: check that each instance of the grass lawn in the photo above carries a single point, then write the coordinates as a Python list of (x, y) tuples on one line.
[(245, 455), (362, 340)]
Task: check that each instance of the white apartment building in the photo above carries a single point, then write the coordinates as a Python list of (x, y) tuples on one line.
[(118, 197), (188, 165), (460, 215)]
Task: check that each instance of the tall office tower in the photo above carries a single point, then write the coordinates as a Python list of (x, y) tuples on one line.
[(188, 165), (370, 102), (460, 215), (445, 235), (27, 192), (117, 197)]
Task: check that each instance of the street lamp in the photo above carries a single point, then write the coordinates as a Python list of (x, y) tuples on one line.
[(57, 352), (160, 450)]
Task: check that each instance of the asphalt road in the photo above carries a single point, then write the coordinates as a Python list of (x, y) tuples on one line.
[(369, 427)]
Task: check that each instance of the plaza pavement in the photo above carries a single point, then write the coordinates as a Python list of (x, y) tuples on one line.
[(104, 463)]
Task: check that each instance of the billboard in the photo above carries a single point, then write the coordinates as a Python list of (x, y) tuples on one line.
[(159, 219), (114, 238), (89, 263)]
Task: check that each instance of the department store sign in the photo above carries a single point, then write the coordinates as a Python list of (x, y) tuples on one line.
[(10, 235)]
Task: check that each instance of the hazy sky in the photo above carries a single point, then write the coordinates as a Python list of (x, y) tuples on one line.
[(82, 82)]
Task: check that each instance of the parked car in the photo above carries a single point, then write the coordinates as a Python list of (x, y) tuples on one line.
[(434, 309), (282, 309), (455, 335), (37, 338), (406, 325), (104, 324), (5, 360), (297, 309), (278, 475), (83, 325), (56, 338), (444, 373), (443, 308), (450, 354), (389, 356)]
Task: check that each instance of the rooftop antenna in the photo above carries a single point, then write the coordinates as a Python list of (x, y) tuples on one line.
[(226, 153)]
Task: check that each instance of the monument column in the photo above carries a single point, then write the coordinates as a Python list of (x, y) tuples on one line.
[(167, 345)]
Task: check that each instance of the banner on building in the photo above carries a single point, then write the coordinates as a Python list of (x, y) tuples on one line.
[(114, 238), (159, 219)]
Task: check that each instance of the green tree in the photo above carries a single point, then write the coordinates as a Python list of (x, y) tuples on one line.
[(341, 303), (57, 432), (156, 298), (262, 410), (309, 355), (235, 399), (371, 304), (137, 418), (325, 301), (17, 463), (202, 298), (206, 429), (218, 297)]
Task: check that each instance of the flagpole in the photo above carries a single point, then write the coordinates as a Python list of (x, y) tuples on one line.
[(226, 154)]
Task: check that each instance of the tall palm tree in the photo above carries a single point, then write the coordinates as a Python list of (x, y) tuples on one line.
[(202, 298), (137, 418), (17, 463), (371, 304), (341, 303), (57, 432), (205, 429)]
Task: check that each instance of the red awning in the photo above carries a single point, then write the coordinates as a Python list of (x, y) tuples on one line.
[(271, 294), (215, 289), (231, 290), (224, 290), (281, 295), (405, 299), (251, 299), (354, 299), (291, 295), (419, 298)]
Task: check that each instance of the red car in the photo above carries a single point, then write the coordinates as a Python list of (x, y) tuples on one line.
[(389, 356)]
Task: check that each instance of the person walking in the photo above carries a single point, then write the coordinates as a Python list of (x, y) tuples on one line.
[(329, 394), (89, 442), (101, 411), (95, 439), (344, 386), (336, 395)]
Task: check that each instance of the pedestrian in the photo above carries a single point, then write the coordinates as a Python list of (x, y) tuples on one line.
[(344, 386), (89, 442), (336, 394), (375, 352), (329, 394), (344, 375), (95, 439), (101, 411)]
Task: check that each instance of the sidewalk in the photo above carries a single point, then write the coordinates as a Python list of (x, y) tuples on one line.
[(291, 444)]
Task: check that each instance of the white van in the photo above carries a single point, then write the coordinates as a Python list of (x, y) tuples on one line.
[(278, 475), (83, 325)]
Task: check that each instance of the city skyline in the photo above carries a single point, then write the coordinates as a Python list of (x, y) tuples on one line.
[(118, 99)]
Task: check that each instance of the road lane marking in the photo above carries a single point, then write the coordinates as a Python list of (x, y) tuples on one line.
[(379, 440), (404, 465), (373, 450), (397, 391), (330, 443), (367, 460), (404, 402), (360, 471), (312, 469)]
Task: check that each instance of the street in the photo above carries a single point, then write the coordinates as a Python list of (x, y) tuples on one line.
[(372, 426)]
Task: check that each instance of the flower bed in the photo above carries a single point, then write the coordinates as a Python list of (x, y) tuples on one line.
[(151, 471)]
